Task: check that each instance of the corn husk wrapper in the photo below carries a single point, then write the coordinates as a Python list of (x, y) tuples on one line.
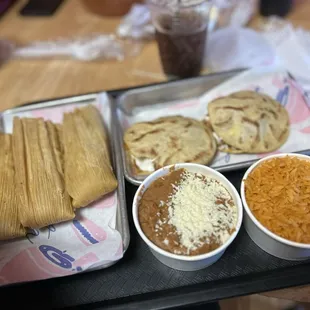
[(10, 225), (39, 174), (88, 169)]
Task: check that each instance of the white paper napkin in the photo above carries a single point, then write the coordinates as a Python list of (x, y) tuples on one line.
[(235, 47), (292, 47), (137, 23), (278, 43)]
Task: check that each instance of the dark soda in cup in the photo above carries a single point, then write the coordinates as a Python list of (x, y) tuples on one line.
[(181, 35)]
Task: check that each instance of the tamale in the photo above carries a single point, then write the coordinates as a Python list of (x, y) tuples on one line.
[(61, 145), (39, 173), (88, 170), (56, 143), (10, 225)]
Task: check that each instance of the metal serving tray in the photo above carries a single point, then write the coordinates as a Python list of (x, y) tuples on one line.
[(144, 103), (121, 216)]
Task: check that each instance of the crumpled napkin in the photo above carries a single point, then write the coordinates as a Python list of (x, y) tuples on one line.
[(277, 43), (234, 47), (292, 48), (137, 24)]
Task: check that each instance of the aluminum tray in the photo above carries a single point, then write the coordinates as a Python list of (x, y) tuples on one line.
[(130, 103), (161, 94), (121, 217)]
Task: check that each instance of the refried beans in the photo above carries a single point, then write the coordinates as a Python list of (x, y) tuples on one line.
[(186, 213)]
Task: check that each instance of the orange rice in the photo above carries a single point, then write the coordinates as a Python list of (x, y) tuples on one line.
[(278, 193)]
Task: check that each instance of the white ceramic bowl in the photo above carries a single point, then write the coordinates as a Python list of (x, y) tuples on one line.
[(182, 262), (264, 238)]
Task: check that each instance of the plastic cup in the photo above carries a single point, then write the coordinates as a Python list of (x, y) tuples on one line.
[(181, 35)]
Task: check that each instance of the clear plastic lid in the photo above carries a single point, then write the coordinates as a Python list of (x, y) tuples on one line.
[(183, 16)]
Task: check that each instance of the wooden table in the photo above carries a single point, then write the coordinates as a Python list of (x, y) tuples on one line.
[(24, 81), (30, 80)]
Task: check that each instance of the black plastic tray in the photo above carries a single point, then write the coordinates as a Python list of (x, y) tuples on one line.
[(139, 281)]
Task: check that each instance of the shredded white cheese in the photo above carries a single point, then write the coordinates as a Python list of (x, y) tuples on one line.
[(166, 242), (199, 210)]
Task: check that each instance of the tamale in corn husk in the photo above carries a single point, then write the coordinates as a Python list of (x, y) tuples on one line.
[(39, 173), (10, 225), (88, 169)]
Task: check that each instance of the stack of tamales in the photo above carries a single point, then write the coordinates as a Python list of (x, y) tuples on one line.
[(48, 170)]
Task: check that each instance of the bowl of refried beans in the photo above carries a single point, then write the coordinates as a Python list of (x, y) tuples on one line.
[(188, 214)]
